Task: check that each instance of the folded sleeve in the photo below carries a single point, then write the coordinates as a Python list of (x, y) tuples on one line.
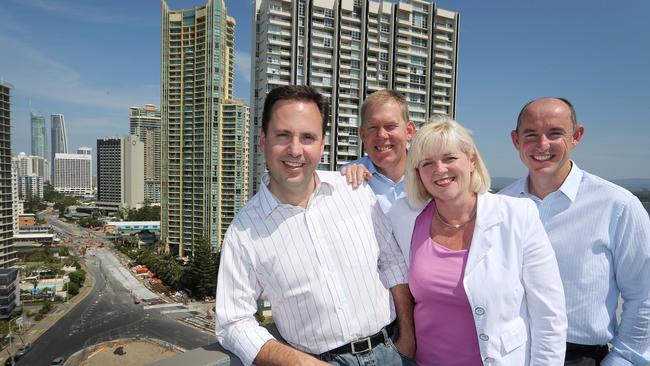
[(238, 290), (631, 344)]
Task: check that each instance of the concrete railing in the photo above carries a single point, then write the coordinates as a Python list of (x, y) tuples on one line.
[(209, 355)]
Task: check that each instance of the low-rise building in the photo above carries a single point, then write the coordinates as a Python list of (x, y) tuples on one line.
[(9, 291)]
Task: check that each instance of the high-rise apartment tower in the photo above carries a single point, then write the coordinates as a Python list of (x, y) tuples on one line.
[(349, 49), (120, 171), (235, 122), (145, 123), (7, 252), (73, 173), (196, 78), (59, 138), (39, 135)]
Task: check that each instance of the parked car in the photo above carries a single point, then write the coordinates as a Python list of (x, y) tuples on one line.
[(22, 350), (57, 361)]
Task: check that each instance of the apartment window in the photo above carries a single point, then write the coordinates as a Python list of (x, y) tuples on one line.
[(301, 32), (383, 66), (418, 42), (355, 64), (419, 20), (301, 61), (355, 35), (329, 13), (419, 61), (327, 81), (383, 76), (384, 18), (417, 70), (327, 42), (384, 28), (417, 79), (301, 8), (383, 56)]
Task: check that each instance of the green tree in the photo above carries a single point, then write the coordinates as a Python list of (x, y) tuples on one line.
[(34, 205), (73, 288), (78, 277), (201, 276)]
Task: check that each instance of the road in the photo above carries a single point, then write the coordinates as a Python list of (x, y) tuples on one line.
[(107, 313)]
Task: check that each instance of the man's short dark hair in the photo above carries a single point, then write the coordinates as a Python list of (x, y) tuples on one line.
[(301, 93), (574, 119)]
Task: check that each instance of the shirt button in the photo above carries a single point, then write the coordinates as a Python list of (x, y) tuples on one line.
[(488, 359), (483, 337), (479, 311)]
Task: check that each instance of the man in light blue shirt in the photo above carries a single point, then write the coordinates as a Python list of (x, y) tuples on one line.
[(385, 131), (600, 233)]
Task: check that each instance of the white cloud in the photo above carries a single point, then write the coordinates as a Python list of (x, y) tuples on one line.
[(243, 65), (35, 75)]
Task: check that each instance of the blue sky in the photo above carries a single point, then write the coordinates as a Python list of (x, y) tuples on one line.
[(92, 60)]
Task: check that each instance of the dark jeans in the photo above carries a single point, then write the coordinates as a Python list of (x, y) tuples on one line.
[(584, 355)]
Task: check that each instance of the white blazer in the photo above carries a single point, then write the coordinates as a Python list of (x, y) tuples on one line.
[(511, 280)]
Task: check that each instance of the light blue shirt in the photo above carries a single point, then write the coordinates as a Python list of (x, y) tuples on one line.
[(385, 189), (601, 236)]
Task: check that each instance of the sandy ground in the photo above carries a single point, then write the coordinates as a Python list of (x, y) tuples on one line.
[(137, 353)]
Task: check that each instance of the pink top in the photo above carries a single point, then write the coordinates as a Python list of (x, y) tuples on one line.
[(444, 327)]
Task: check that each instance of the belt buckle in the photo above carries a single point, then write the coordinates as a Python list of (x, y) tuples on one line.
[(362, 342)]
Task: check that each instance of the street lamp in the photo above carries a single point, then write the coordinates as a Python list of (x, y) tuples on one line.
[(17, 321)]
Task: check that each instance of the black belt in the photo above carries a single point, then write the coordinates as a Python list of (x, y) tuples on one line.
[(587, 349), (365, 344)]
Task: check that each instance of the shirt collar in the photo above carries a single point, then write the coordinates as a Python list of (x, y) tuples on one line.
[(268, 202), (569, 187), (373, 170), (572, 182)]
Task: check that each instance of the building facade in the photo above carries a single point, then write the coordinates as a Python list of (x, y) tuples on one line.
[(30, 187), (9, 291), (73, 173), (39, 135), (59, 138), (32, 165), (235, 122), (145, 123), (120, 171), (197, 62), (7, 252), (349, 49)]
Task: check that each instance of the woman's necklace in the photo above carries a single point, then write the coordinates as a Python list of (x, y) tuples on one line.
[(455, 226)]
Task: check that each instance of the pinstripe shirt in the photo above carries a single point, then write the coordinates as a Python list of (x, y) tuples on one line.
[(601, 236), (325, 269)]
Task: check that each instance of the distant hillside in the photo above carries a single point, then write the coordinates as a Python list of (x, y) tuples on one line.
[(631, 184), (634, 184), (501, 182)]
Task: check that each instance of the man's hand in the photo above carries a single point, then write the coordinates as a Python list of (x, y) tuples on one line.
[(356, 174), (275, 353)]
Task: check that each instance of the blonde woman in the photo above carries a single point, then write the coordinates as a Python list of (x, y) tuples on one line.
[(481, 269)]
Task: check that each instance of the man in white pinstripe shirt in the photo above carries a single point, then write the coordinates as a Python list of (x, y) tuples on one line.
[(319, 250)]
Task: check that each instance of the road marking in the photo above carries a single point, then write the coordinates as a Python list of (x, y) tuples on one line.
[(176, 311), (176, 304)]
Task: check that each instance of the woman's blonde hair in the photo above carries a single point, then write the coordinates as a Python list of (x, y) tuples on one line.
[(442, 133)]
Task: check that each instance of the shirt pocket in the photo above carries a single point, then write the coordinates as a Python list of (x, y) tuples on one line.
[(514, 335), (356, 244)]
